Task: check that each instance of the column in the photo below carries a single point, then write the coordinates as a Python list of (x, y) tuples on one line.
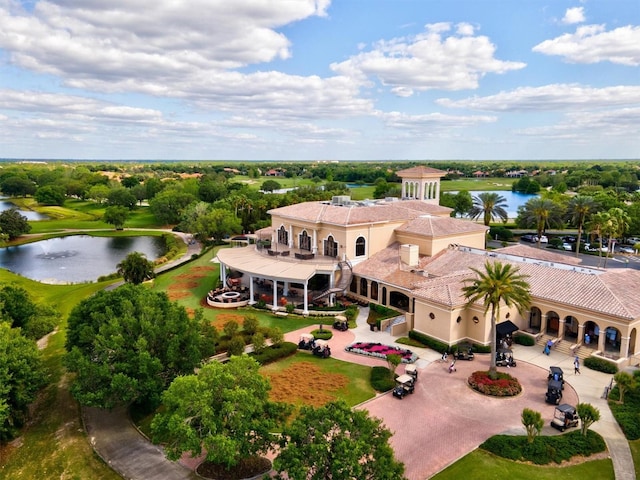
[(285, 289), (275, 294), (332, 283), (314, 245), (543, 323), (251, 300), (561, 323), (223, 274), (624, 347), (306, 298), (580, 339), (601, 339), (437, 190)]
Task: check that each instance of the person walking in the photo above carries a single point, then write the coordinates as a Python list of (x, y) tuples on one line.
[(576, 366), (452, 367)]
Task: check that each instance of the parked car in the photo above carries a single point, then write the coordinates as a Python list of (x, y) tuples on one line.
[(565, 416), (543, 239), (626, 250), (633, 240), (567, 246), (405, 384), (527, 238)]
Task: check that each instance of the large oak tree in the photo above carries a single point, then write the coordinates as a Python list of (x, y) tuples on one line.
[(126, 345)]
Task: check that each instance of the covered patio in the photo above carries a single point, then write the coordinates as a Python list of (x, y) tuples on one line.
[(277, 271)]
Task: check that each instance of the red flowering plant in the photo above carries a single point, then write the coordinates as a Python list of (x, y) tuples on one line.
[(503, 386)]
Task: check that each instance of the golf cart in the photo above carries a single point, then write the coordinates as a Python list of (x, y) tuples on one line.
[(322, 349), (341, 323), (555, 373), (504, 358), (565, 416), (554, 392), (404, 384), (412, 371), (464, 352), (307, 342)]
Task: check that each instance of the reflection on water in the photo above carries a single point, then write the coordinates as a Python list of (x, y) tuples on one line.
[(77, 258), (4, 205)]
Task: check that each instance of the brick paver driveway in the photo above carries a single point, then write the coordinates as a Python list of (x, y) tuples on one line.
[(444, 419)]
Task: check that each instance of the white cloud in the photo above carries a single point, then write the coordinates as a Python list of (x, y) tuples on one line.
[(573, 15), (593, 44), (433, 120), (429, 61), (550, 97)]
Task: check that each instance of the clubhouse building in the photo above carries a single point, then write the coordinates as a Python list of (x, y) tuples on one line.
[(410, 255)]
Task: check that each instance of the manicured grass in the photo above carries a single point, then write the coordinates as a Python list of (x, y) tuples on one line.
[(362, 193), (471, 184), (480, 465), (635, 453)]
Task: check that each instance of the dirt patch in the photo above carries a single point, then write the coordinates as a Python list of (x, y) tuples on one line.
[(183, 285), (178, 295), (204, 269), (305, 383), (191, 312), (190, 276)]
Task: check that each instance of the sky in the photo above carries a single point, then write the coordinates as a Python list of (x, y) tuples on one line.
[(320, 79)]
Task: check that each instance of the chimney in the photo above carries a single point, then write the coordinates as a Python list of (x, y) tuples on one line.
[(409, 254)]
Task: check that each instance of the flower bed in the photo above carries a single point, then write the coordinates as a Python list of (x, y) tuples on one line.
[(503, 386), (381, 351)]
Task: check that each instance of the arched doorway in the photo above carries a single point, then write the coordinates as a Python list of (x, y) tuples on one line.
[(612, 340), (353, 287), (591, 334), (571, 329), (399, 300), (535, 319), (632, 343), (553, 323)]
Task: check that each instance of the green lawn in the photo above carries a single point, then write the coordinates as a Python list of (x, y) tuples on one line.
[(474, 184), (480, 465), (635, 452)]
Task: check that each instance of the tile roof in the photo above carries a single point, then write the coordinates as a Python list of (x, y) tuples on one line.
[(539, 253), (381, 212), (431, 226), (613, 292)]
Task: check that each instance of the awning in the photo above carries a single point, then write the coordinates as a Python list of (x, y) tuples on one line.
[(506, 328)]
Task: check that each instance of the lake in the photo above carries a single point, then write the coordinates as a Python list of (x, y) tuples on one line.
[(4, 205), (76, 258)]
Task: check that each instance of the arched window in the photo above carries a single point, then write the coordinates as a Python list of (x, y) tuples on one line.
[(283, 236), (330, 247), (304, 240), (360, 246)]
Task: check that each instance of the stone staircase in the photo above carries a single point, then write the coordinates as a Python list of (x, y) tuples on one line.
[(564, 347)]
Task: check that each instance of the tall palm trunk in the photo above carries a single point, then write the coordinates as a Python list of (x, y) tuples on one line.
[(493, 368), (579, 239)]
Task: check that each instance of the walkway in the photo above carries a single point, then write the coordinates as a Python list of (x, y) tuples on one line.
[(442, 422)]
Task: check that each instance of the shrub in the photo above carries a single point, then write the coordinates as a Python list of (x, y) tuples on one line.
[(432, 343), (525, 340), (600, 365), (250, 324), (380, 379), (230, 328), (544, 450), (258, 342), (503, 386), (501, 233), (274, 352), (322, 334), (236, 346)]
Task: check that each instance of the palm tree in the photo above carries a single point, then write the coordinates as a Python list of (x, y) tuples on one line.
[(489, 205), (619, 224), (579, 209), (541, 213), (135, 268), (600, 224), (497, 284)]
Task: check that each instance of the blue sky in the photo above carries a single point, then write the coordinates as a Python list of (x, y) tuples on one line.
[(320, 80)]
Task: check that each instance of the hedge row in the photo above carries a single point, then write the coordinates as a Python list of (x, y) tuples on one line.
[(275, 352), (524, 340), (381, 379), (628, 413), (545, 450), (432, 343), (601, 365), (322, 335)]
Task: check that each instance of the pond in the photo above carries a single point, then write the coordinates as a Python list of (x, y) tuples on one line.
[(76, 258), (5, 205), (513, 199)]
